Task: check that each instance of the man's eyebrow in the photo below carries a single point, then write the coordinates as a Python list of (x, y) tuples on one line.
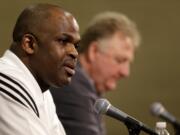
[(70, 37), (67, 36)]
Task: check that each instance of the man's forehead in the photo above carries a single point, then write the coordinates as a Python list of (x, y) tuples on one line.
[(71, 27), (75, 23), (72, 21), (64, 20), (61, 23)]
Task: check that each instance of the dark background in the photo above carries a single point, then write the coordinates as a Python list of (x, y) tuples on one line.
[(155, 74)]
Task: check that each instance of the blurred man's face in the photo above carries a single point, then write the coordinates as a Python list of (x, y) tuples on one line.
[(112, 63)]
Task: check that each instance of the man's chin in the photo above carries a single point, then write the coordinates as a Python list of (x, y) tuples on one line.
[(63, 83), (67, 81), (111, 87)]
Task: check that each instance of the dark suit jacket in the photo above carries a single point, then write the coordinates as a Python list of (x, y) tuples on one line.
[(75, 103)]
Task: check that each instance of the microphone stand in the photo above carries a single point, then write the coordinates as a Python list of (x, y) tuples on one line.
[(177, 132), (135, 127), (176, 129)]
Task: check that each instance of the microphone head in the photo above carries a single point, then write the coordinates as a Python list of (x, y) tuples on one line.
[(157, 109), (101, 106)]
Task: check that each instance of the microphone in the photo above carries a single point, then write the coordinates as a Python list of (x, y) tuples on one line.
[(158, 110), (102, 106)]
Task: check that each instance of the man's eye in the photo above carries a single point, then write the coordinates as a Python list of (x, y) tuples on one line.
[(76, 45), (63, 41), (120, 60)]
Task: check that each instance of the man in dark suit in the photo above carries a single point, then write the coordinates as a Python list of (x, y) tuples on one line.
[(106, 51)]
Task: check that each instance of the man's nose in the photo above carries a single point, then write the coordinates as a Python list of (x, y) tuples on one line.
[(124, 70), (73, 52)]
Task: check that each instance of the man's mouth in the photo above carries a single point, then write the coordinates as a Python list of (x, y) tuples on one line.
[(70, 69)]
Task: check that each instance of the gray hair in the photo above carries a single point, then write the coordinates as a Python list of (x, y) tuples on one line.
[(105, 24)]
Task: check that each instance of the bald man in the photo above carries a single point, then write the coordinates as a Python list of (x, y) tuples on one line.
[(43, 54)]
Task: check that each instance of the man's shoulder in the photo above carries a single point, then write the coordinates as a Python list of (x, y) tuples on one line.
[(13, 87), (12, 73)]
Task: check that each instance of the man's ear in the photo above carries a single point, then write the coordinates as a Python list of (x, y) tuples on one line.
[(29, 43), (92, 51)]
